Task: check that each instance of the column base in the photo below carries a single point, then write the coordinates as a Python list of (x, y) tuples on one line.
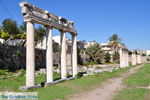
[(28, 87), (23, 88)]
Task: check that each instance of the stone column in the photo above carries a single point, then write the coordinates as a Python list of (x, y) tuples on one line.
[(127, 58), (49, 56), (121, 57), (139, 59), (63, 56), (133, 58), (124, 58), (136, 58), (30, 55), (125, 62), (74, 55)]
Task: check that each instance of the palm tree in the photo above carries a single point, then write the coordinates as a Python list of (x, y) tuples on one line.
[(114, 42)]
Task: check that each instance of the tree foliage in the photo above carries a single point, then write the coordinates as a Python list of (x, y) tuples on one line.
[(23, 27), (116, 56), (11, 27), (107, 57), (114, 42), (95, 53), (10, 30), (4, 35), (40, 32)]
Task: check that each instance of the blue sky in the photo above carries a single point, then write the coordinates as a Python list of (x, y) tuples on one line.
[(97, 19)]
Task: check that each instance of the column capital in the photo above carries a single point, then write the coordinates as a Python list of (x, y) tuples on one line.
[(28, 20), (61, 31), (47, 27)]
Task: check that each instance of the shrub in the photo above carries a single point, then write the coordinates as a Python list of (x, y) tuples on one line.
[(143, 54), (5, 72), (107, 57), (116, 57), (95, 53), (23, 72), (90, 63)]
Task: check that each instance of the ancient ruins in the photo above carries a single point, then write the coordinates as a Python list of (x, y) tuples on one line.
[(124, 57), (33, 15)]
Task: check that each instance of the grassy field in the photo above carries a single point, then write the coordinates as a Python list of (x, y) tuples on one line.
[(136, 85), (60, 90)]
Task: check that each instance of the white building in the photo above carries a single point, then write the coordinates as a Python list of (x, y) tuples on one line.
[(13, 42), (89, 43), (56, 43), (105, 47), (148, 52)]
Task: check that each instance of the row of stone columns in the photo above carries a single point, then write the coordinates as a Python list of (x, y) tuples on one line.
[(124, 58), (136, 58), (133, 59), (139, 59), (30, 55)]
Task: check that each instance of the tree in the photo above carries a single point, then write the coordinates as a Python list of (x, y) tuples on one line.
[(95, 53), (23, 27), (80, 61), (114, 42), (40, 32), (99, 56), (116, 56), (107, 57), (4, 35), (11, 27)]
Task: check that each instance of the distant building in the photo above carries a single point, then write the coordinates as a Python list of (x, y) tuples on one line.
[(144, 52), (148, 52), (89, 44), (13, 42), (106, 47), (42, 45), (56, 44)]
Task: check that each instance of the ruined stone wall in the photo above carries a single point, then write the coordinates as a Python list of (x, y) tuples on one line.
[(14, 58)]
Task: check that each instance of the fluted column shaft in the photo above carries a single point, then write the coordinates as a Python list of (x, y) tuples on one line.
[(74, 55), (49, 56), (63, 56), (30, 55), (121, 58)]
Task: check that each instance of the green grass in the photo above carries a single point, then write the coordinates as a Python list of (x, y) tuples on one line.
[(140, 78), (60, 90), (134, 83), (132, 94)]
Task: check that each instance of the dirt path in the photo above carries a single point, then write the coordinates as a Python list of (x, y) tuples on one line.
[(107, 90)]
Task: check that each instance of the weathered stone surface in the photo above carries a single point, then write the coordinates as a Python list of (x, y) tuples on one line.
[(74, 55), (33, 14), (40, 16), (49, 56), (30, 55), (63, 56)]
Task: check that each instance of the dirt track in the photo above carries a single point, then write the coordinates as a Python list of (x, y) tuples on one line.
[(107, 90)]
